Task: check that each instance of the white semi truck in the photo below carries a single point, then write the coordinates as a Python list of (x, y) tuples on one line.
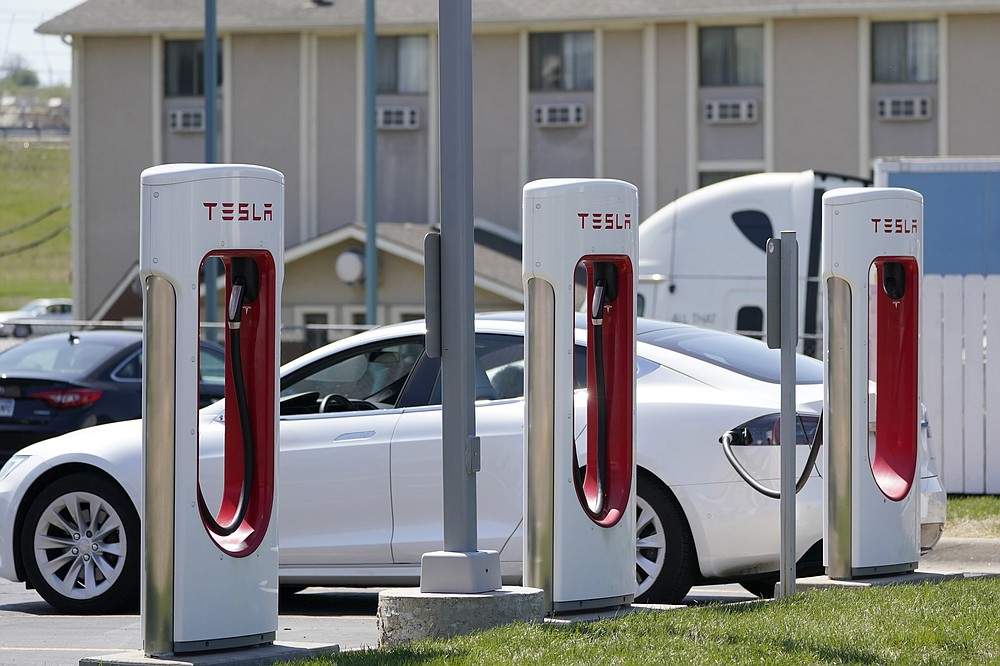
[(701, 257)]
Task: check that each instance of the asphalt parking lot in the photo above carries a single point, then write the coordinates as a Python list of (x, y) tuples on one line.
[(32, 633)]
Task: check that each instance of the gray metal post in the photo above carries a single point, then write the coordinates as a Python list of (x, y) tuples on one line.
[(458, 356), (789, 340), (210, 76), (459, 568), (371, 249)]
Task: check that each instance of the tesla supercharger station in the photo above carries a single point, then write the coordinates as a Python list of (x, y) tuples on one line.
[(579, 541), (210, 554), (872, 254)]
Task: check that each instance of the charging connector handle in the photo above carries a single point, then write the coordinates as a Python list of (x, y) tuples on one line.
[(596, 505), (235, 311), (597, 304)]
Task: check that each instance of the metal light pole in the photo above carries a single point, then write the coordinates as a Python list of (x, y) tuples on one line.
[(371, 251), (459, 568), (209, 69), (458, 356)]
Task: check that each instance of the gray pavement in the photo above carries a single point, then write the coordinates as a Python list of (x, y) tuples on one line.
[(33, 634), (965, 555)]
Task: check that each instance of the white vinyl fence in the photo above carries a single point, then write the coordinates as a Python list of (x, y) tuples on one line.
[(960, 323)]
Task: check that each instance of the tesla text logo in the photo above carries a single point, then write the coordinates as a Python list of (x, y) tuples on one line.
[(240, 211), (894, 226), (605, 220)]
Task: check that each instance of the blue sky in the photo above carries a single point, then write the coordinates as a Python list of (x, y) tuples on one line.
[(47, 55)]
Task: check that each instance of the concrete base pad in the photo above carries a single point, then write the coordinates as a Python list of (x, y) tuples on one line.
[(407, 614), (825, 582), (278, 653), (449, 572)]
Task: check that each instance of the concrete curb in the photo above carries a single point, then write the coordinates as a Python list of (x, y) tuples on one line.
[(408, 614), (278, 653)]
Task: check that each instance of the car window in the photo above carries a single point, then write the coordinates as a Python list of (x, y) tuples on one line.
[(212, 366), (67, 356), (130, 369), (371, 377), (740, 354), (501, 358), (499, 371)]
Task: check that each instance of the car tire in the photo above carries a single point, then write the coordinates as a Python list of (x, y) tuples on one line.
[(22, 330), (80, 545), (664, 549)]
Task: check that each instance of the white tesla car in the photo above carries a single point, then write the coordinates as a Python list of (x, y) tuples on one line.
[(360, 479)]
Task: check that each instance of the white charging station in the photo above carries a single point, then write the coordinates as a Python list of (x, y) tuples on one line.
[(579, 540), (872, 269), (210, 560)]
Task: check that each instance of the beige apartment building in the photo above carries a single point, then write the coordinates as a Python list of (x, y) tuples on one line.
[(666, 94)]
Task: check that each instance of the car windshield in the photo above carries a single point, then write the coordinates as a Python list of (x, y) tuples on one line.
[(734, 352), (30, 309), (62, 355)]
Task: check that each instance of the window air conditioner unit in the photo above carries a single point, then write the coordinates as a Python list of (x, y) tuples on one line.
[(187, 120), (917, 107), (559, 115), (730, 111), (397, 118)]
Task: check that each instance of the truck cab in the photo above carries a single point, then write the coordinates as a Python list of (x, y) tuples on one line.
[(701, 257)]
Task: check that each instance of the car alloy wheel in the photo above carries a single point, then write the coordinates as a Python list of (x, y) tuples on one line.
[(665, 558), (80, 544), (650, 546)]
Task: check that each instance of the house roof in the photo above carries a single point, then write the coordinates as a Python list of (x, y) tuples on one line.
[(123, 17), (495, 272)]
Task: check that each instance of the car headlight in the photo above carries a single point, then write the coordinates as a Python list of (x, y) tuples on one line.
[(11, 465)]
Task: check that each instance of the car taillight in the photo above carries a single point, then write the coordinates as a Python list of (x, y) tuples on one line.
[(68, 398), (766, 430)]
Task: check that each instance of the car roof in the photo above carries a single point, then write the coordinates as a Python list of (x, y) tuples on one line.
[(511, 322), (47, 301), (642, 325), (111, 335)]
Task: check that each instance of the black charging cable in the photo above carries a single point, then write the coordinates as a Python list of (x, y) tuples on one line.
[(239, 294), (743, 435), (596, 505)]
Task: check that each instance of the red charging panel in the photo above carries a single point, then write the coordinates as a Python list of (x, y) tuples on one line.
[(893, 336), (619, 376), (257, 350)]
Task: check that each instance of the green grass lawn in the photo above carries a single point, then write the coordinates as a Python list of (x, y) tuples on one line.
[(973, 516), (953, 622), (34, 180)]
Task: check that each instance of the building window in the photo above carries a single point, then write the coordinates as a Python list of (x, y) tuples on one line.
[(316, 333), (904, 52), (401, 65), (561, 61), (731, 55), (706, 178), (184, 68)]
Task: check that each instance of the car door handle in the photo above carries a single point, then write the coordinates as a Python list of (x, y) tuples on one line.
[(352, 436)]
